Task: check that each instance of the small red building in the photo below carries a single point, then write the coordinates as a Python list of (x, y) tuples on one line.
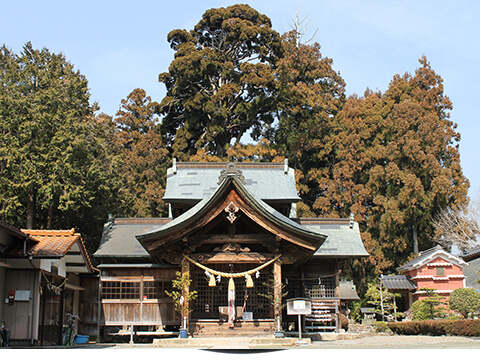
[(433, 269)]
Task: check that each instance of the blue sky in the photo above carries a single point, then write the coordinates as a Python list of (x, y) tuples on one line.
[(121, 45)]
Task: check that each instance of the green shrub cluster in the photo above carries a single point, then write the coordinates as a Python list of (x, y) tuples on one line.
[(380, 327), (469, 328)]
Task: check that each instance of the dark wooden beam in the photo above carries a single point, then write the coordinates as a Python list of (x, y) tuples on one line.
[(226, 238)]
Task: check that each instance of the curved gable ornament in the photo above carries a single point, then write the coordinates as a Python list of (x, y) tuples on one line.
[(231, 169), (231, 210)]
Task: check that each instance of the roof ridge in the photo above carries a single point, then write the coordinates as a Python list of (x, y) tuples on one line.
[(222, 164), (44, 232)]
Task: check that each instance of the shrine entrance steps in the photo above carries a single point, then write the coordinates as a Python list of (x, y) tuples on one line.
[(216, 328)]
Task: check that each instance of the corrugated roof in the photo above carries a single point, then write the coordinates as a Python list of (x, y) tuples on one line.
[(196, 181), (397, 282), (343, 240), (118, 239)]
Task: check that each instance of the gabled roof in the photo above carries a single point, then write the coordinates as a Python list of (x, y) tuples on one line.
[(193, 182), (424, 257), (194, 219), (343, 237), (397, 282), (60, 244), (118, 238)]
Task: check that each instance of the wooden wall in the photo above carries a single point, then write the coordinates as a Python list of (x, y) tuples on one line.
[(140, 310)]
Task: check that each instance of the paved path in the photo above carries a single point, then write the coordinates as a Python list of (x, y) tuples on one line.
[(401, 342), (367, 342)]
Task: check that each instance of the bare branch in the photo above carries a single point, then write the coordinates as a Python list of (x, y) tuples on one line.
[(458, 226)]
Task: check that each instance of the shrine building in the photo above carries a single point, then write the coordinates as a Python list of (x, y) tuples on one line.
[(233, 228)]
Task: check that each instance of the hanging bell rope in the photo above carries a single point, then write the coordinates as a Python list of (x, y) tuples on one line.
[(232, 275)]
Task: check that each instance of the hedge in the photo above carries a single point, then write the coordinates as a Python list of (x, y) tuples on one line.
[(468, 328)]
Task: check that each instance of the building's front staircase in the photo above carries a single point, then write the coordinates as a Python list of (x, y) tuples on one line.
[(217, 328)]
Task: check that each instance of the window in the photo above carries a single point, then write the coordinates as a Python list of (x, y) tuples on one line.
[(120, 290), (156, 289), (440, 271), (131, 290)]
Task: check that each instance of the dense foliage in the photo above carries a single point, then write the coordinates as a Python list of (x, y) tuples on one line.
[(429, 308), (389, 158), (52, 156), (220, 83)]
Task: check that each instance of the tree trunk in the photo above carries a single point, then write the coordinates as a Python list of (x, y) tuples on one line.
[(415, 239), (50, 216), (30, 209)]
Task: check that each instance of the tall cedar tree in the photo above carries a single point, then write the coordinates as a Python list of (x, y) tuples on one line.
[(48, 149), (310, 94), (220, 83), (142, 159), (397, 166)]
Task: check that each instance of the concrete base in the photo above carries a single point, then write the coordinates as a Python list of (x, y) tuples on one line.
[(290, 339), (230, 342)]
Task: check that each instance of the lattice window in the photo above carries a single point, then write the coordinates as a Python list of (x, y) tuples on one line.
[(121, 290), (321, 287), (210, 299), (156, 289)]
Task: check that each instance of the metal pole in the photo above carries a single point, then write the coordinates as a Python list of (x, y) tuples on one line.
[(299, 327)]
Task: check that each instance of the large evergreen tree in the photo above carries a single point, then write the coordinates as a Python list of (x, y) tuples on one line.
[(54, 162), (45, 124), (309, 95), (141, 157), (220, 83), (397, 165)]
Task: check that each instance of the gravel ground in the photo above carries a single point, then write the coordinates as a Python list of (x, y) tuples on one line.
[(368, 342), (401, 342)]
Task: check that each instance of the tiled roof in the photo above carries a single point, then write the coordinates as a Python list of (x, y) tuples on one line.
[(56, 243), (397, 282), (51, 242), (196, 181), (348, 291), (472, 254), (191, 216), (427, 255)]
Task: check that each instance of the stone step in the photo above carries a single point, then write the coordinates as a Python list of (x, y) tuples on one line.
[(228, 342)]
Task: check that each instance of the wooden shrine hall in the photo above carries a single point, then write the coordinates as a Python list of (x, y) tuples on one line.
[(233, 228)]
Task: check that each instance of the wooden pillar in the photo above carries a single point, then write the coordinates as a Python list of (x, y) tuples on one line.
[(185, 318), (277, 290)]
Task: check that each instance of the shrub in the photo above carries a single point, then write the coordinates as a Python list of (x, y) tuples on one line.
[(380, 327), (426, 309), (464, 300), (469, 328)]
